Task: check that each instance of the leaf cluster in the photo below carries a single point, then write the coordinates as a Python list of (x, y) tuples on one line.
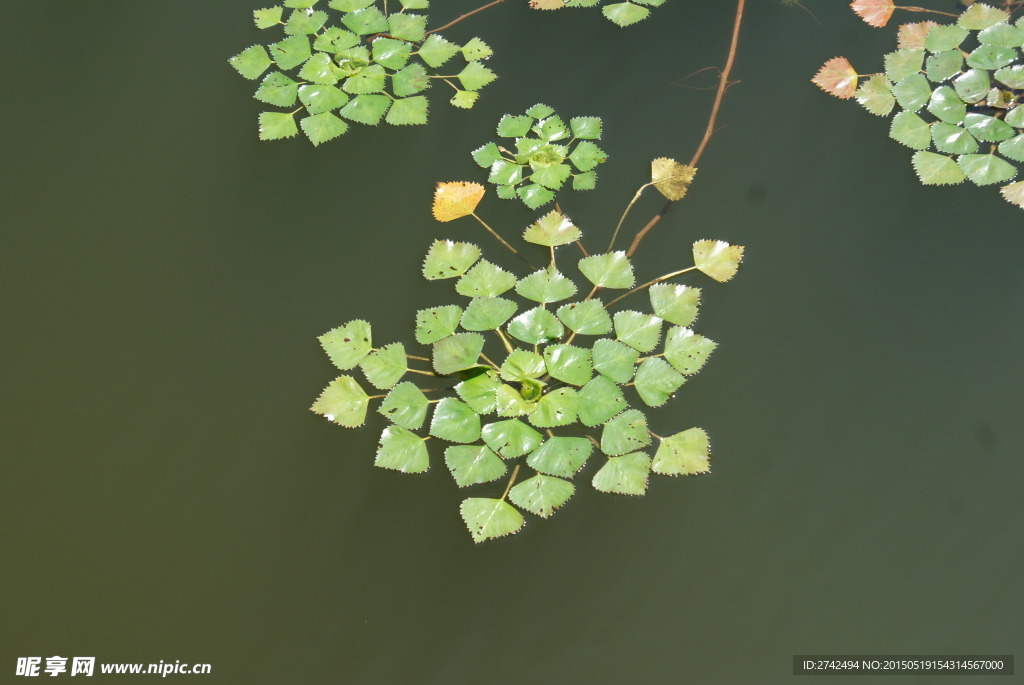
[(354, 61), (536, 370), (540, 154), (957, 90)]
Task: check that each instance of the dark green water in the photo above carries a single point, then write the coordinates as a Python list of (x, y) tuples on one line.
[(167, 495)]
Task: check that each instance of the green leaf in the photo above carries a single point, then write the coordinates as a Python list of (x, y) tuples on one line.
[(875, 95), (475, 50), (475, 76), (991, 57), (447, 259), (1002, 34), (319, 99), (347, 345), (682, 454), (561, 456), (391, 53), (406, 111), (277, 89), (541, 495), (290, 52), (902, 63), (409, 27), (344, 402), (487, 313), (485, 280), (944, 38), (985, 170), (402, 450), (478, 392), (935, 169), (624, 13), (614, 360), (534, 195), (980, 16), (586, 128), (625, 475), (472, 464), (1012, 77), (587, 181), (687, 351), (510, 402), (599, 400), (675, 303), (370, 79), (486, 155), (366, 109), (551, 176), (415, 4), (405, 406), (947, 106), (912, 92), (556, 408), (540, 111), (511, 438), (522, 364), (510, 126), (609, 270), (944, 65), (335, 40), (625, 433), (656, 381), (506, 192), (251, 62), (951, 140), (639, 331), (266, 18), (911, 130), (586, 155), (568, 364), (455, 421), (717, 258), (1013, 193), (551, 129), (301, 22), (435, 50), (385, 366), (973, 85), (1013, 148), (588, 317), (504, 172), (546, 285), (988, 128), (365, 21), (551, 230), (349, 5), (490, 518), (436, 323), (535, 326), (320, 128), (1015, 117), (457, 352), (410, 80), (464, 99)]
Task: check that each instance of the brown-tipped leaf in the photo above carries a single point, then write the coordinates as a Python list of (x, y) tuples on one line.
[(874, 12), (837, 77), (671, 178)]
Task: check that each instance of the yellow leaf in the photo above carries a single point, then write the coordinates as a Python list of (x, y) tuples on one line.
[(456, 199), (671, 178), (547, 4), (717, 258)]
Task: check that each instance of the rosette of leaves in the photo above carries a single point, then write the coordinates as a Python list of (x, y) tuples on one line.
[(956, 89), (621, 13), (534, 372), (540, 154), (342, 61)]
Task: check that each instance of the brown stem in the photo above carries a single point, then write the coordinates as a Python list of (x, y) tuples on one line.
[(923, 9), (723, 82), (467, 14)]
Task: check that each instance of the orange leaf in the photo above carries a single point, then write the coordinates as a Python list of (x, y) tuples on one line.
[(837, 77), (874, 12), (911, 36), (456, 199)]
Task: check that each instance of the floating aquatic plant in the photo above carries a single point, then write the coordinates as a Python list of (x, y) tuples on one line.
[(621, 13), (536, 371), (957, 90), (353, 61)]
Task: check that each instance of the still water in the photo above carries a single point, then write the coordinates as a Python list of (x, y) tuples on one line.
[(167, 495)]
